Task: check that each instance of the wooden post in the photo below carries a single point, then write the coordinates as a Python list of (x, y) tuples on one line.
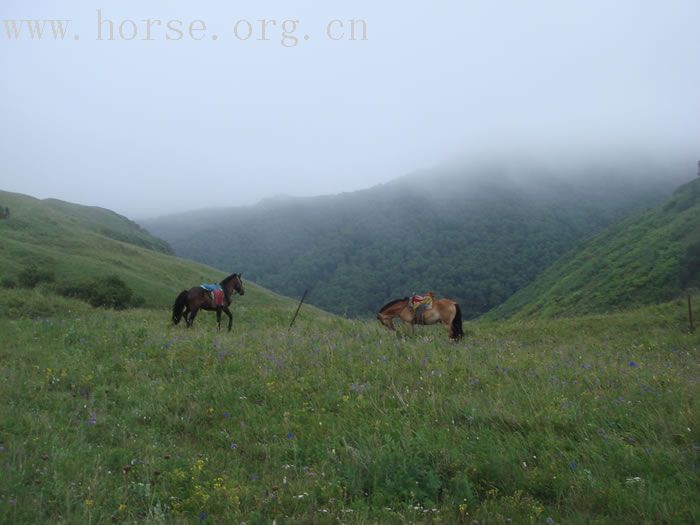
[(690, 312), (298, 308)]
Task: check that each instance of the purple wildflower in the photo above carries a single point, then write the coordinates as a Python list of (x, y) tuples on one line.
[(227, 415), (234, 446), (290, 435), (633, 364), (92, 419)]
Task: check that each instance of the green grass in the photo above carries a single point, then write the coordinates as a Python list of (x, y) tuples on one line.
[(121, 417), (78, 243), (642, 260)]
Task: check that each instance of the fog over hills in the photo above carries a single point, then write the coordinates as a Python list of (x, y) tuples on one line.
[(476, 233)]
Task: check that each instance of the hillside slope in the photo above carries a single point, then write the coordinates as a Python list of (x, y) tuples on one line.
[(476, 235), (645, 259), (118, 417), (79, 242)]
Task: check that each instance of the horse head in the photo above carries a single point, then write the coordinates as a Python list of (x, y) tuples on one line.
[(386, 320), (233, 283), (238, 284)]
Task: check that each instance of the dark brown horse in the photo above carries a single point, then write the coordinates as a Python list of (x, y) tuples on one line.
[(443, 310), (197, 298)]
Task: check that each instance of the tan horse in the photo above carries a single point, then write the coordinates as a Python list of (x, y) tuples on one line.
[(444, 310)]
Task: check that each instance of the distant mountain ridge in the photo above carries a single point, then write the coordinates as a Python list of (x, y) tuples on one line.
[(645, 259), (476, 235)]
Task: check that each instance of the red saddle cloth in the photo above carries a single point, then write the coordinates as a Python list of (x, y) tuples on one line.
[(217, 297)]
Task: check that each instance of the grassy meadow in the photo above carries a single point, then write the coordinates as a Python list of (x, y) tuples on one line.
[(120, 417)]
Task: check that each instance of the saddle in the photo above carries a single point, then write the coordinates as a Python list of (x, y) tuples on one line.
[(215, 292), (419, 304)]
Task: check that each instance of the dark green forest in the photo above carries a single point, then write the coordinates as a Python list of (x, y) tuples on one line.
[(476, 236), (641, 260)]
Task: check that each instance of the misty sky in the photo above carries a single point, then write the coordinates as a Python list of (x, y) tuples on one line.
[(149, 127)]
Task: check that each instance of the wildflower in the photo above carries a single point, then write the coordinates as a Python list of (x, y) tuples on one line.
[(89, 503), (227, 415), (122, 507), (633, 364), (357, 387), (572, 465), (290, 435), (550, 521), (586, 366), (233, 446), (92, 420), (202, 516)]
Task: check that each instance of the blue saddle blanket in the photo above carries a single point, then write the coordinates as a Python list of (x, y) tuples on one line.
[(216, 293)]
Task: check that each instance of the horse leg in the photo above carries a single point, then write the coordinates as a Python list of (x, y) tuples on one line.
[(186, 315), (230, 317), (408, 319), (193, 314), (218, 317)]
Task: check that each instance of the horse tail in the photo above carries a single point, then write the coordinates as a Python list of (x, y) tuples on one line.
[(457, 330), (179, 306)]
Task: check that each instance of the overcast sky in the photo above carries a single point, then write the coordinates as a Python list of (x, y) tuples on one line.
[(148, 127)]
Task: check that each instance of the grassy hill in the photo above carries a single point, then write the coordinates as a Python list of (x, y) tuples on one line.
[(77, 243), (121, 417), (645, 259), (117, 417), (476, 235)]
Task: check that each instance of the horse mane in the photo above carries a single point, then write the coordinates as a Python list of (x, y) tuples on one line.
[(392, 303), (224, 283), (230, 277)]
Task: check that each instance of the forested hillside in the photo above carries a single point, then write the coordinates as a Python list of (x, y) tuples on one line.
[(644, 259), (476, 235)]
